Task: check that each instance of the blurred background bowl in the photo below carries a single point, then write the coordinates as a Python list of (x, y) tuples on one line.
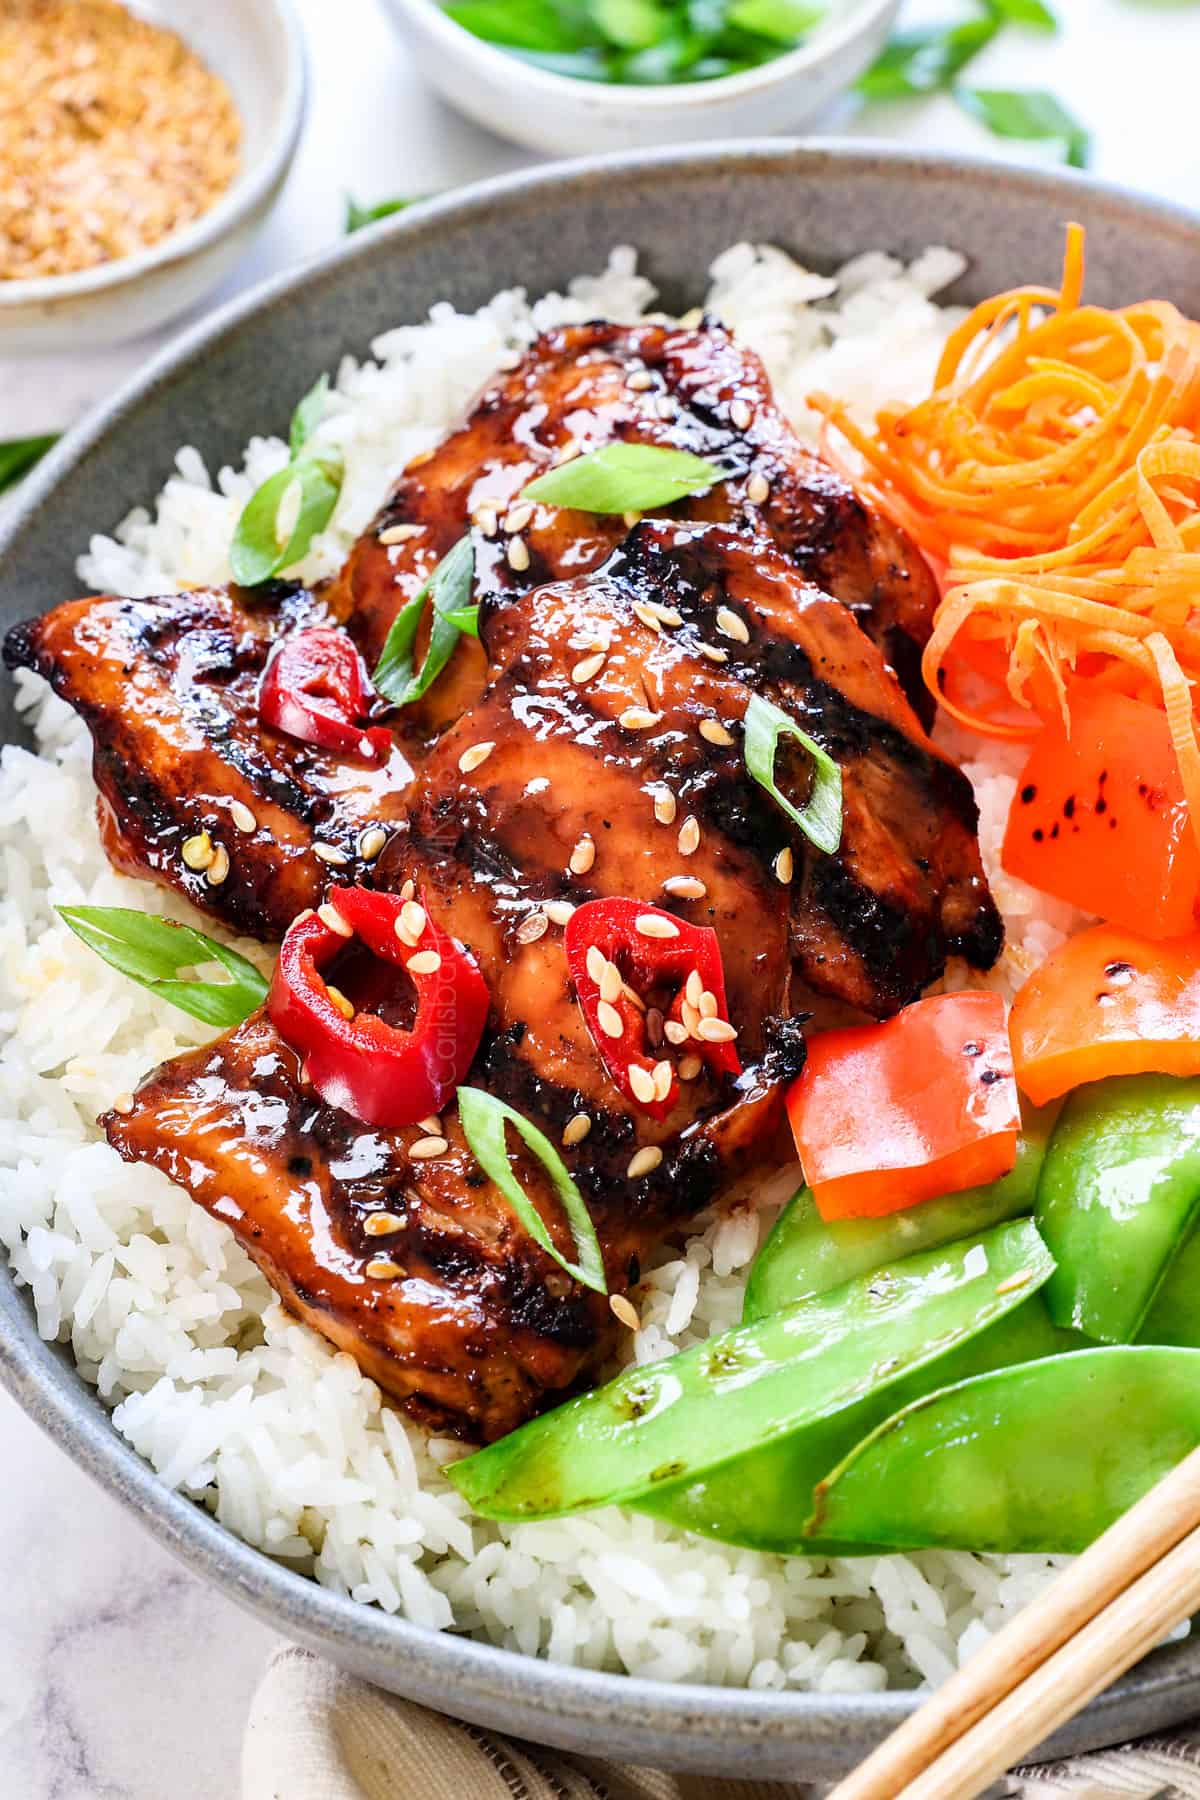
[(257, 47), (566, 116)]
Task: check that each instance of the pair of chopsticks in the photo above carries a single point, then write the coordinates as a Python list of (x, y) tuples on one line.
[(1104, 1612)]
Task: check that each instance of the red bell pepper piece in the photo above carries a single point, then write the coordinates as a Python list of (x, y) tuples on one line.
[(315, 688), (607, 931), (382, 1075), (885, 1116)]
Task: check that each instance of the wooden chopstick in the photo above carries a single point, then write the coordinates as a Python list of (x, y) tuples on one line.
[(1107, 1609)]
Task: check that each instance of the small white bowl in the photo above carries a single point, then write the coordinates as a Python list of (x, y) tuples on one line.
[(566, 116), (257, 47)]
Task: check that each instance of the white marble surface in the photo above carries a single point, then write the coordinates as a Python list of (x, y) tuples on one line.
[(121, 1677)]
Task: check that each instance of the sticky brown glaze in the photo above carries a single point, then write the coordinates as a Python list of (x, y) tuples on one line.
[(168, 689), (583, 386), (571, 765), (468, 1322)]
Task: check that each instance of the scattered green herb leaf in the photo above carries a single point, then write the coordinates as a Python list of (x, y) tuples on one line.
[(483, 1121), (18, 455), (1032, 13), (630, 24), (309, 482), (1032, 115), (820, 819), (152, 951), (623, 478), (449, 589), (357, 216), (926, 61), (783, 21)]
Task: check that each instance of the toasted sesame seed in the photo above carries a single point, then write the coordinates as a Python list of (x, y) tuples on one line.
[(654, 1027), (646, 1160), (533, 927), (716, 1031), (382, 1224), (517, 517), (675, 1032), (408, 890), (689, 836), (471, 759), (623, 1312), (664, 406), (340, 1001), (559, 911), (197, 851), (332, 919), (641, 1082), (689, 1067), (123, 1103), (690, 1015), (582, 856), (218, 868), (567, 453), (684, 887), (242, 817), (664, 806), (714, 732), (631, 519), (633, 997), (714, 653), (648, 618), (609, 1020), (663, 1076), (1021, 1279), (595, 962), (431, 1124), (400, 534), (382, 1268), (517, 555), (693, 987), (610, 983), (486, 521), (329, 853), (638, 718), (639, 381), (731, 626), (666, 615), (588, 666), (425, 962), (371, 842), (784, 865), (740, 414), (757, 488), (576, 1129), (653, 925), (707, 1006), (426, 1148), (411, 922)]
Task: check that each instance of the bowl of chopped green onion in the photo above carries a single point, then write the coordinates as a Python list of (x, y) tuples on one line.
[(570, 76)]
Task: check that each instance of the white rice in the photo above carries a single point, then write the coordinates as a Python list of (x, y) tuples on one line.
[(251, 1413)]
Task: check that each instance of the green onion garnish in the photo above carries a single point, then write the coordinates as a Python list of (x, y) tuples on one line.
[(449, 588), (18, 455), (483, 1121), (259, 550), (622, 478), (820, 819), (152, 951)]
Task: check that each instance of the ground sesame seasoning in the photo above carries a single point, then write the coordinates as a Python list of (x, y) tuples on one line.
[(472, 759), (371, 842), (399, 534), (382, 1268), (329, 853), (741, 414), (609, 1020), (731, 626), (381, 1224), (426, 1148), (623, 1312), (332, 919), (713, 732), (582, 856), (576, 1129), (517, 555), (684, 887), (532, 928), (425, 962), (218, 868), (689, 836), (644, 1162), (242, 817), (653, 925), (197, 852)]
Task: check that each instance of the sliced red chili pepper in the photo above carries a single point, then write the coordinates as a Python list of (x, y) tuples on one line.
[(315, 688), (382, 1075), (651, 949)]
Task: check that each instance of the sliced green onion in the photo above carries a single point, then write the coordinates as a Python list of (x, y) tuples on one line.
[(152, 951), (259, 550), (622, 478), (927, 59), (820, 819), (18, 455), (1032, 13), (483, 1121), (357, 216), (1031, 115), (449, 589), (783, 21)]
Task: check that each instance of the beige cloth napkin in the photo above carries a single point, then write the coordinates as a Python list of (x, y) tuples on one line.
[(316, 1733)]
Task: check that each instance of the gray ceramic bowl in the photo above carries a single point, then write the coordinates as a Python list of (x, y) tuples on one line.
[(240, 372)]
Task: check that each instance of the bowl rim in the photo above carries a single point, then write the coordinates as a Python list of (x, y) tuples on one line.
[(659, 99), (484, 1681), (250, 188)]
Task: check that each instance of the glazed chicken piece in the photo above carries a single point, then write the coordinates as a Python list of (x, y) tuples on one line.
[(580, 387), (604, 759), (169, 691)]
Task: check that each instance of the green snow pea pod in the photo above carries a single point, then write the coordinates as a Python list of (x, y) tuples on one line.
[(1119, 1189), (1041, 1458), (723, 1401), (804, 1255), (1174, 1315)]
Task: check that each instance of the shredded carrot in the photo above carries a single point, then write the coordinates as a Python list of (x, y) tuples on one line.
[(1052, 476)]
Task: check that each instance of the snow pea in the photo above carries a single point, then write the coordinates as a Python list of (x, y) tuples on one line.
[(1174, 1315), (804, 1256), (1119, 1189), (785, 1377), (1035, 1459)]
